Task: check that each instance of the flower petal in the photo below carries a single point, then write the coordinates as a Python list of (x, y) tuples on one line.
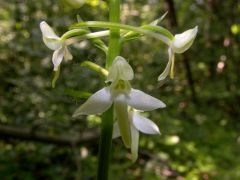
[(67, 54), (52, 44), (134, 142), (57, 58), (145, 125), (47, 31), (142, 101), (116, 131), (120, 70), (167, 69), (97, 103), (50, 38), (121, 113), (183, 41)]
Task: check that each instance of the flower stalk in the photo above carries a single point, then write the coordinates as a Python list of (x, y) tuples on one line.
[(105, 144)]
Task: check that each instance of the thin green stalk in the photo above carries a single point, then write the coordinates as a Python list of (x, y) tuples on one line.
[(107, 117), (105, 144), (114, 44)]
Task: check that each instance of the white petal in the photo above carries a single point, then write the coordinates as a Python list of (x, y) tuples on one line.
[(52, 44), (97, 103), (50, 39), (142, 101), (167, 69), (120, 70), (116, 131), (57, 58), (121, 113), (47, 31), (134, 142), (67, 54), (183, 41), (145, 125)]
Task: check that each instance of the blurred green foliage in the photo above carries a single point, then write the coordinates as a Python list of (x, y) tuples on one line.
[(200, 135)]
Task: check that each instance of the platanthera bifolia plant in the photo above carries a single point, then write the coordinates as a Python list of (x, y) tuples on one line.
[(119, 103)]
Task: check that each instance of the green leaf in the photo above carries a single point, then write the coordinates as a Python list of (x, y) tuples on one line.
[(156, 29), (95, 67), (157, 21), (131, 36), (78, 94), (100, 44), (134, 35), (159, 29)]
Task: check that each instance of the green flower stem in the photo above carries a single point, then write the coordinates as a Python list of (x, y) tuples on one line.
[(95, 67), (107, 117), (105, 144), (114, 44), (142, 30)]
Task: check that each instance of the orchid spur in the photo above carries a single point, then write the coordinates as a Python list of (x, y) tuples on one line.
[(122, 95), (179, 44), (54, 42)]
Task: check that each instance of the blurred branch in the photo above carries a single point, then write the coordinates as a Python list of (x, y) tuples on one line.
[(172, 13), (7, 131), (173, 24)]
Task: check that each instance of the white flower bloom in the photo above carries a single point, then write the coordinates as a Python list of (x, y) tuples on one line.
[(137, 123), (180, 43), (54, 42), (122, 95)]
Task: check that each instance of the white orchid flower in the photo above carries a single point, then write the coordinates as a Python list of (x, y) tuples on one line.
[(137, 123), (54, 42), (121, 95), (180, 43)]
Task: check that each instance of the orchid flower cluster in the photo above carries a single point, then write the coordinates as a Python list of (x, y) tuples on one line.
[(128, 102)]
